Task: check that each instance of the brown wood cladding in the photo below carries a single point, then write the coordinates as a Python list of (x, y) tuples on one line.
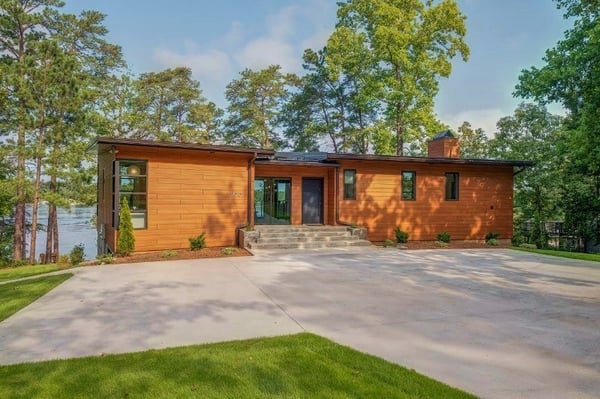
[(296, 173), (190, 192), (485, 201)]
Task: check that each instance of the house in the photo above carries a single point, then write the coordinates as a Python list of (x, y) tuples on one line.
[(177, 190)]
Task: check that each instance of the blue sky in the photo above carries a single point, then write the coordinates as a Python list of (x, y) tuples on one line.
[(218, 39)]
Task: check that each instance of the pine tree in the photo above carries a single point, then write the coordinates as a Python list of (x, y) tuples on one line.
[(126, 243)]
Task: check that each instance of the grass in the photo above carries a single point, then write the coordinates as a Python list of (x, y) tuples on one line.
[(296, 366), (16, 295), (562, 254), (12, 273)]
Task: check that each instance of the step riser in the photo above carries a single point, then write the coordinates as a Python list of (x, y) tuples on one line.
[(305, 239), (315, 245), (306, 234), (276, 229)]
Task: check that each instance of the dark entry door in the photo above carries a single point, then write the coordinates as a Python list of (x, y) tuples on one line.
[(312, 201)]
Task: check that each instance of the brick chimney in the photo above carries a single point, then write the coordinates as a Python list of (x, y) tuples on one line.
[(443, 145)]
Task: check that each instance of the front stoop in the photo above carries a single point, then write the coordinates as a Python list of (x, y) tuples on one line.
[(304, 237)]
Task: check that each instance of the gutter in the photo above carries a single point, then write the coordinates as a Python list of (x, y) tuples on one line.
[(521, 169)]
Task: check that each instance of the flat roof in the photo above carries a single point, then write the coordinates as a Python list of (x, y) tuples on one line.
[(187, 146), (396, 158)]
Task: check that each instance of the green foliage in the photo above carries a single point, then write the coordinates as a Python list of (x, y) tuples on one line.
[(492, 242), (171, 253), (389, 243), (126, 241), (444, 237), (228, 251), (198, 242), (440, 244), (562, 254), (255, 102), (105, 259), (491, 236), (14, 296), (528, 246), (63, 260), (291, 366), (401, 236), (77, 254), (397, 51), (473, 142), (12, 273)]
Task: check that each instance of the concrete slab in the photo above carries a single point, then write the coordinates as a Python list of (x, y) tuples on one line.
[(498, 323)]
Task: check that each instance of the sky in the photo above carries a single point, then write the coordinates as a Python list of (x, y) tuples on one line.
[(219, 38)]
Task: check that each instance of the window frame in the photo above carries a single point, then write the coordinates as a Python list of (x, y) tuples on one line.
[(117, 191), (456, 193), (414, 185), (353, 196)]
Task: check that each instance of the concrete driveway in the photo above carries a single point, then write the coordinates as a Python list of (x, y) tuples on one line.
[(498, 323)]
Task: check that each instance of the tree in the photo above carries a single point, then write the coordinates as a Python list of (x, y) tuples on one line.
[(532, 133), (168, 106), (405, 45), (473, 142), (126, 242), (571, 76), (255, 102)]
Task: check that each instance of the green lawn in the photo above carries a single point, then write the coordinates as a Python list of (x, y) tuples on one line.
[(562, 254), (18, 294), (296, 366), (12, 273)]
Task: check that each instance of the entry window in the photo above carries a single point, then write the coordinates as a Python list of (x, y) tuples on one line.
[(349, 184), (409, 180), (130, 183), (451, 186)]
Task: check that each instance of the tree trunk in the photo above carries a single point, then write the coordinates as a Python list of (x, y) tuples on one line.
[(20, 223), (36, 190), (49, 235)]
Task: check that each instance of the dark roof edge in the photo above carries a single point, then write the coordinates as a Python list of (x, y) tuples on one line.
[(391, 158), (186, 146)]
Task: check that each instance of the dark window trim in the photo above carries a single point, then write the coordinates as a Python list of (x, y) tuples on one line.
[(353, 197), (117, 192), (456, 174), (414, 186)]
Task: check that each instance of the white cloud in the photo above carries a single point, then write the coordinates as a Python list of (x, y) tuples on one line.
[(209, 65), (478, 118), (266, 51), (318, 40)]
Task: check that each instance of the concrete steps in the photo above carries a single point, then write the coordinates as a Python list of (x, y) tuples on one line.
[(304, 237)]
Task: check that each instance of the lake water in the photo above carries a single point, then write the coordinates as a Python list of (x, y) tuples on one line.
[(74, 227)]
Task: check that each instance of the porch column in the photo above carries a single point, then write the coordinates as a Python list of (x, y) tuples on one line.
[(251, 191)]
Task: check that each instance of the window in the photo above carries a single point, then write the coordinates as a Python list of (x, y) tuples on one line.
[(130, 183), (349, 184), (409, 180), (451, 186)]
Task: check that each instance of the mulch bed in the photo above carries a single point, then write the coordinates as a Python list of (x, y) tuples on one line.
[(156, 256), (452, 245)]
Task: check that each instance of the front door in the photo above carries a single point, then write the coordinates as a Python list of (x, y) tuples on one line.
[(272, 203), (312, 201)]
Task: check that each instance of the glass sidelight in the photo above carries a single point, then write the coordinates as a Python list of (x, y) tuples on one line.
[(272, 200)]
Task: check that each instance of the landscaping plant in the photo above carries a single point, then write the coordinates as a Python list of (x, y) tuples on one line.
[(229, 251), (401, 236), (126, 243), (197, 243), (388, 243), (444, 237), (77, 254)]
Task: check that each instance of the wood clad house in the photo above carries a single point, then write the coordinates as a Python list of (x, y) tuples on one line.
[(178, 190)]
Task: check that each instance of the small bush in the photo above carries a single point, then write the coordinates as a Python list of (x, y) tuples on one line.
[(63, 260), (444, 237), (229, 251), (528, 246), (401, 236), (492, 242), (171, 253), (491, 236), (388, 243), (126, 242), (197, 243), (77, 254), (105, 259), (440, 244)]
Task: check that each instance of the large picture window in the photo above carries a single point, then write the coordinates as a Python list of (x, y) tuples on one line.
[(349, 184), (451, 186), (130, 183), (409, 180)]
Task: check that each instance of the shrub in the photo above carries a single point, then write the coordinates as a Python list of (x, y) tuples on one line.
[(444, 237), (171, 253), (492, 242), (353, 225), (388, 243), (63, 260), (229, 251), (528, 246), (401, 236), (126, 243), (77, 254), (491, 236), (197, 243), (441, 244), (105, 259)]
